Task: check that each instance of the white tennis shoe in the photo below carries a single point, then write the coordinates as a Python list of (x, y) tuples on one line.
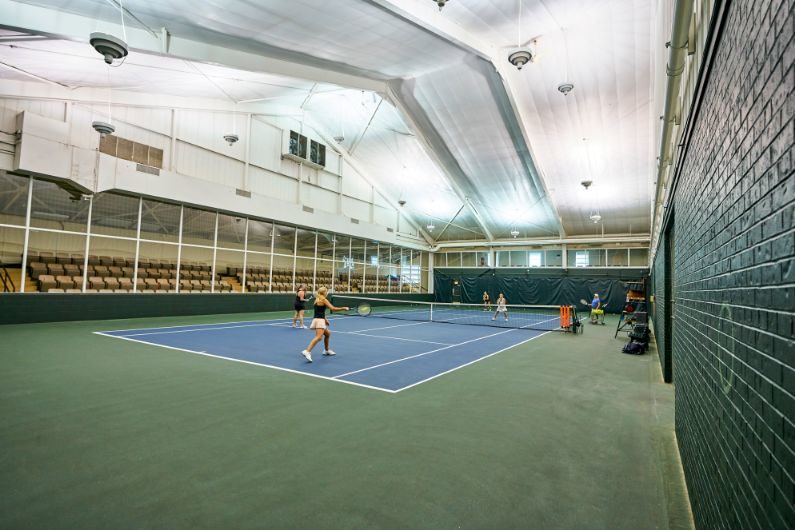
[(329, 353), (308, 356)]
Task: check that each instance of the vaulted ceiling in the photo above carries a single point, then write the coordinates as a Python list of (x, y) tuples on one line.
[(426, 100)]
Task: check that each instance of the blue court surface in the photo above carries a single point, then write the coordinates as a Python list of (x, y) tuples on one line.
[(377, 353)]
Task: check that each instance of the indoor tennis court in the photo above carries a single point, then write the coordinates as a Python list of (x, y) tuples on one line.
[(375, 352), (397, 264)]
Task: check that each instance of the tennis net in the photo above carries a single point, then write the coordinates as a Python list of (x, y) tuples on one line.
[(536, 317)]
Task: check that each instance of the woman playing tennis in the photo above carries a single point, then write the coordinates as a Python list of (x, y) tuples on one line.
[(299, 306), (486, 301), (320, 323), (501, 307)]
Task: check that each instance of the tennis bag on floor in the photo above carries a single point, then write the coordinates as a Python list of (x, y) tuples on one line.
[(634, 348), (640, 333)]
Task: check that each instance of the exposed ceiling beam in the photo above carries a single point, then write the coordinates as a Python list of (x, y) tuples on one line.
[(452, 173), (18, 16)]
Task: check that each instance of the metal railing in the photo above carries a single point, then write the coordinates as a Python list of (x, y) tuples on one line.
[(5, 279)]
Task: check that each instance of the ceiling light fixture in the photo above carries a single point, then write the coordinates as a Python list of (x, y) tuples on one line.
[(430, 227), (440, 3), (231, 139), (110, 46), (514, 233), (565, 88), (521, 56), (595, 217), (105, 128), (586, 183)]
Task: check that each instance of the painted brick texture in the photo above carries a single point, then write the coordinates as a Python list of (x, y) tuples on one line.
[(734, 279)]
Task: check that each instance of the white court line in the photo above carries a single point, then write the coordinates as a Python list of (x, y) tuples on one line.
[(252, 324), (244, 362), (396, 326), (258, 324), (188, 325), (362, 334), (471, 362), (424, 353)]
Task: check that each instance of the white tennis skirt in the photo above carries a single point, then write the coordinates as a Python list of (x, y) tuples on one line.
[(318, 323)]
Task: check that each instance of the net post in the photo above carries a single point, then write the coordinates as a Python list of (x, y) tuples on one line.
[(431, 315)]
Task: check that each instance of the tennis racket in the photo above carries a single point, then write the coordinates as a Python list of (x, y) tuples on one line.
[(583, 301), (361, 310)]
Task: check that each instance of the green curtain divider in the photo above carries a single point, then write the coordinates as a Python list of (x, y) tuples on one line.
[(532, 288)]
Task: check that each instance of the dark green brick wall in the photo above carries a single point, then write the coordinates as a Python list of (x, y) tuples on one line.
[(734, 279), (658, 314)]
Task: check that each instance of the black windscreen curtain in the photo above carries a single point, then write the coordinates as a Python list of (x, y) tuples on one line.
[(533, 290)]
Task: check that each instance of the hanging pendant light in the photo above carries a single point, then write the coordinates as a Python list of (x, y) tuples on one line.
[(521, 56), (105, 128)]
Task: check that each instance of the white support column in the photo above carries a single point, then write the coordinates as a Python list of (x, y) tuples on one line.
[(377, 267), (179, 246), (295, 254), (389, 281), (137, 244), (564, 258), (364, 269), (245, 259), (88, 242), (314, 266), (215, 254), (27, 236), (430, 272), (350, 262), (270, 272), (333, 261)]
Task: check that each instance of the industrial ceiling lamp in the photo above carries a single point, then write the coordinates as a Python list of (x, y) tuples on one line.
[(566, 86), (110, 46), (521, 56), (105, 128), (440, 3), (232, 138), (430, 226), (514, 233)]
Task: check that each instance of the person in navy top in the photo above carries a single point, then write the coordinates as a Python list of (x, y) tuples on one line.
[(321, 324), (299, 306)]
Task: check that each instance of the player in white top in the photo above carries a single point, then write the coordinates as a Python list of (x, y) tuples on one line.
[(501, 307)]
